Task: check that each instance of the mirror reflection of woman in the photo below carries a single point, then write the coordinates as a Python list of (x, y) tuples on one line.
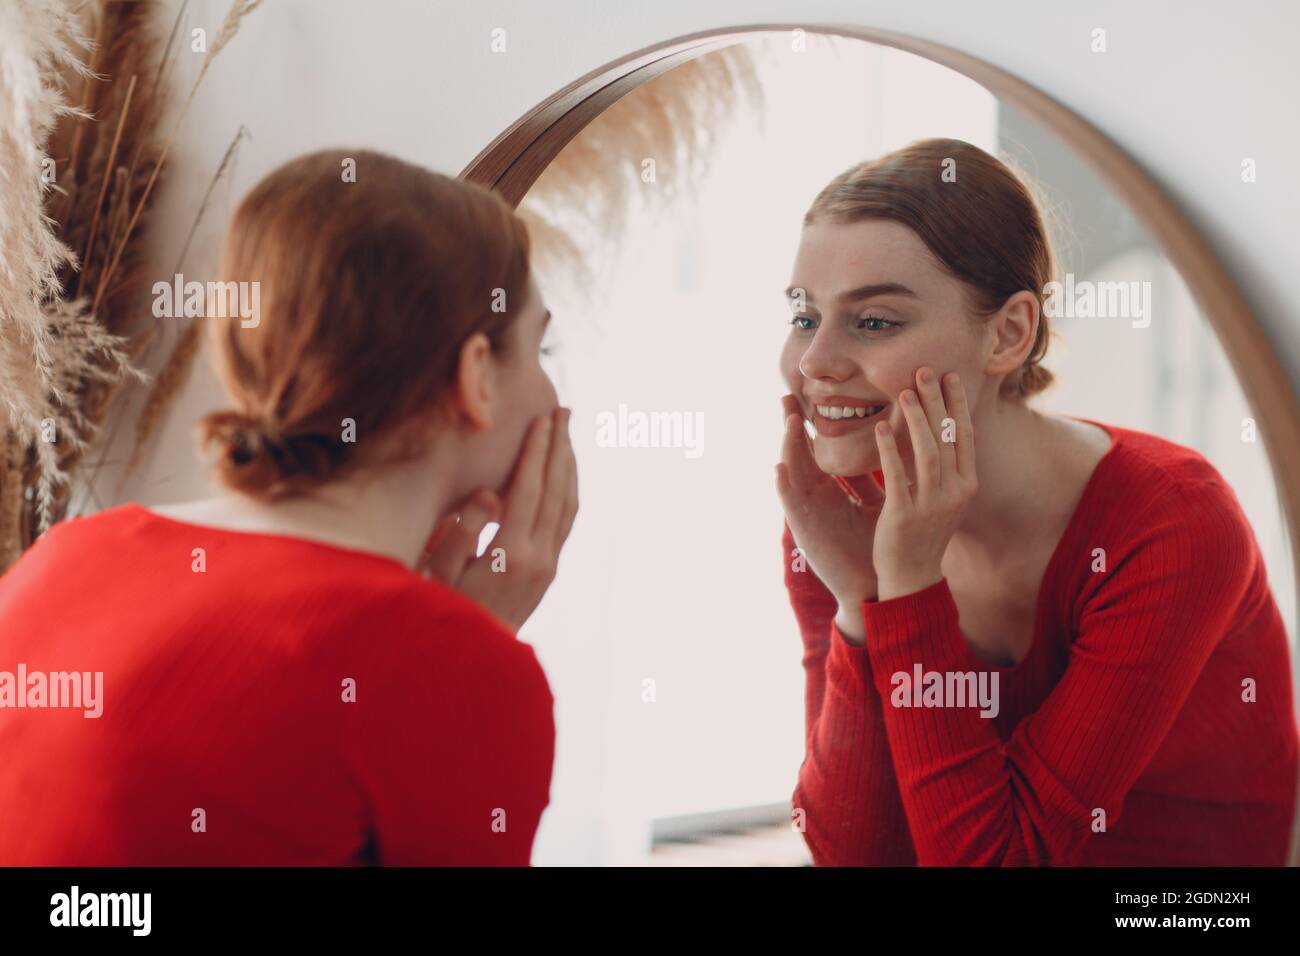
[(938, 525), (315, 666)]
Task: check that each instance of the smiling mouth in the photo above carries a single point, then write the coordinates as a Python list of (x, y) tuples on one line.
[(836, 413), (838, 419)]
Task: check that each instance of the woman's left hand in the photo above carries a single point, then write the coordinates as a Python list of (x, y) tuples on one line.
[(917, 523), (535, 519)]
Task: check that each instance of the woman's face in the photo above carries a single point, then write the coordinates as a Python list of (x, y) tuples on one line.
[(876, 306), (520, 391)]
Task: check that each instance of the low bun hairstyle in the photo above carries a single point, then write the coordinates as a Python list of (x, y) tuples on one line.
[(258, 456), (985, 227), (368, 286)]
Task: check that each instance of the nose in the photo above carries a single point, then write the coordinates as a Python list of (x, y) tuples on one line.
[(823, 359)]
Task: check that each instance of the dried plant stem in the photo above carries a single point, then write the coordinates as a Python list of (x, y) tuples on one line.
[(240, 134), (238, 10), (103, 187), (166, 60), (92, 75), (165, 64), (11, 499)]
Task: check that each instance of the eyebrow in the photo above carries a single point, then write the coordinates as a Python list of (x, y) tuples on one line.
[(546, 318), (863, 291)]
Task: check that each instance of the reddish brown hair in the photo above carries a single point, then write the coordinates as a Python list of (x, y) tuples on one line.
[(985, 227), (369, 286)]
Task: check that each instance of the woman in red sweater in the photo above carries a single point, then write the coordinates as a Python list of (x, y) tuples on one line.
[(297, 671), (1028, 639)]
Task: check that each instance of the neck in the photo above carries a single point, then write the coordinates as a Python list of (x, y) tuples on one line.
[(388, 511), (1013, 470)]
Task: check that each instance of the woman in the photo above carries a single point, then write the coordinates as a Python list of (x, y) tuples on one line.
[(1028, 639), (289, 675)]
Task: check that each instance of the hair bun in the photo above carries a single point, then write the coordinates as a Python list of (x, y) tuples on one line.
[(245, 438), (309, 453), (255, 455)]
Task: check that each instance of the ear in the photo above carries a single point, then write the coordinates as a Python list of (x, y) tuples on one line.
[(1012, 330), (474, 392)]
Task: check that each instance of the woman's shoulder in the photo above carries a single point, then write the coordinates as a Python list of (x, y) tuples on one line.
[(414, 606), (1149, 471), (1152, 491), (327, 588)]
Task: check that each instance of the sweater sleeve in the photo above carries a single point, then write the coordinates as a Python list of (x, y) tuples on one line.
[(852, 813), (454, 740), (1145, 633)]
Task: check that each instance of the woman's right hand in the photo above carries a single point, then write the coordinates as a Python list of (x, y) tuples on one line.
[(834, 533), (513, 573)]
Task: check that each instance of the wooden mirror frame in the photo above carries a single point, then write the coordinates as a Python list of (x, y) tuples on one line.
[(512, 162)]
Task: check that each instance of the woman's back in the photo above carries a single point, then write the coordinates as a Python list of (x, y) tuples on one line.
[(264, 700)]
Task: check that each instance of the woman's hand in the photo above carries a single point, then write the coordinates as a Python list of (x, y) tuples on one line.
[(916, 524), (516, 569), (833, 531)]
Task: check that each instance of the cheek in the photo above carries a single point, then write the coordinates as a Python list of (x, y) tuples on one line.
[(535, 396), (889, 368), (528, 381), (893, 370), (531, 394), (547, 398)]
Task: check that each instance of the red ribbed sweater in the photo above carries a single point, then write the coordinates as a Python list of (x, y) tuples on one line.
[(1126, 736), (225, 691)]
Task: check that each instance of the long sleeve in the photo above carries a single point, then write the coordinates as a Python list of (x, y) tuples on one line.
[(851, 809), (1146, 630)]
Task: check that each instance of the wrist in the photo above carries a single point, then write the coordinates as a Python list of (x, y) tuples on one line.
[(899, 584), (855, 595), (850, 623)]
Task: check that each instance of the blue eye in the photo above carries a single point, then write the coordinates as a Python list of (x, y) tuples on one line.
[(875, 318), (801, 318)]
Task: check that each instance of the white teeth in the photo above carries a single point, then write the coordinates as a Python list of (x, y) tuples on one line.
[(836, 412)]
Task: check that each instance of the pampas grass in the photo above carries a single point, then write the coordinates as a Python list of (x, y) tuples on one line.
[(71, 255), (238, 10), (578, 208), (40, 42)]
